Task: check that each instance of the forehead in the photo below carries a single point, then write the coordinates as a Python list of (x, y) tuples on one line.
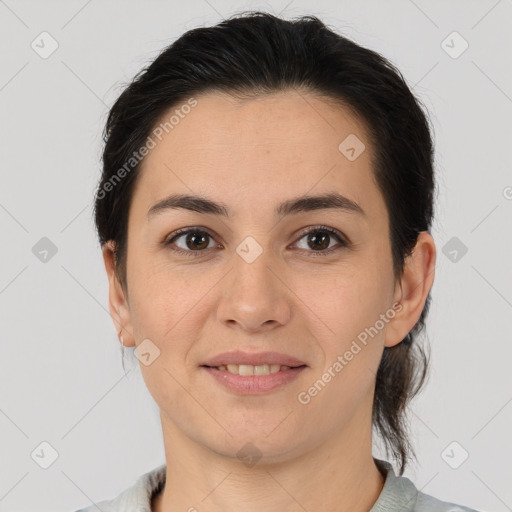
[(267, 148)]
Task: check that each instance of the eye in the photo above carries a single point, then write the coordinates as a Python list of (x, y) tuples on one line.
[(319, 238), (194, 241)]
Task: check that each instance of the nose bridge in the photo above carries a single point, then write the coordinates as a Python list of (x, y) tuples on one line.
[(251, 272), (254, 296)]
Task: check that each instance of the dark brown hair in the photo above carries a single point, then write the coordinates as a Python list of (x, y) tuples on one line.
[(255, 53)]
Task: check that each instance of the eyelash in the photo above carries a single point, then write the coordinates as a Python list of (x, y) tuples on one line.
[(326, 252)]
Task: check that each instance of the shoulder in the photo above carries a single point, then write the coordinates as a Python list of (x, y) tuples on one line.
[(399, 493), (137, 497), (425, 502)]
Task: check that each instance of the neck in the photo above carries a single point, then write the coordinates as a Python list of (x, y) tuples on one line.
[(339, 474)]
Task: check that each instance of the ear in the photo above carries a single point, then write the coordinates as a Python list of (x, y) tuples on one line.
[(118, 303), (414, 286)]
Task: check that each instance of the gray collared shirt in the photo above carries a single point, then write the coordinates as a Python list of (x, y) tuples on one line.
[(398, 495)]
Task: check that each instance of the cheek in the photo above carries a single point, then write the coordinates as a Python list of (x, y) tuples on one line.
[(162, 313), (352, 309), (159, 296), (346, 300), (163, 309), (351, 337)]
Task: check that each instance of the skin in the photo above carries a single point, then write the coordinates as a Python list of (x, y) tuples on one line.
[(252, 155)]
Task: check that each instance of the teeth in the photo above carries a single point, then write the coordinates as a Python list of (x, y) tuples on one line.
[(249, 369)]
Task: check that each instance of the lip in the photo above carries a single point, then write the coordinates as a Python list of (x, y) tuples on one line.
[(257, 358), (254, 384)]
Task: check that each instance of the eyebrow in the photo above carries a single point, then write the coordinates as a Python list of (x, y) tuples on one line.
[(292, 206)]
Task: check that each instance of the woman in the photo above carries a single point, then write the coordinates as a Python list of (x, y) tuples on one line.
[(264, 214)]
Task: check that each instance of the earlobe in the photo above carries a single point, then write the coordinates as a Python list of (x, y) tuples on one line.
[(415, 284), (118, 305)]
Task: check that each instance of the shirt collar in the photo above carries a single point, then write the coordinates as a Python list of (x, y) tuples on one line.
[(398, 494)]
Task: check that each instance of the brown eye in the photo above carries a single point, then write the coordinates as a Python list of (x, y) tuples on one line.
[(190, 241), (318, 240), (196, 240)]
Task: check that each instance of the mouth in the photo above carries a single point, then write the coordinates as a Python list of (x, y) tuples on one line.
[(244, 373), (252, 383), (247, 370), (247, 363)]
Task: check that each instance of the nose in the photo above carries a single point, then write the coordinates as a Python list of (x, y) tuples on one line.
[(255, 297)]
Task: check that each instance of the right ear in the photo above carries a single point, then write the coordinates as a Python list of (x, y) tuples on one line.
[(118, 304)]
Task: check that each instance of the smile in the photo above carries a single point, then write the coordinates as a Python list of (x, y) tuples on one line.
[(253, 380)]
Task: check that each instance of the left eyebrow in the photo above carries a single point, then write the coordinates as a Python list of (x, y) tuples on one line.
[(290, 207)]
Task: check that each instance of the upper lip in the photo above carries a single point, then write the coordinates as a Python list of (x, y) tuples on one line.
[(255, 359)]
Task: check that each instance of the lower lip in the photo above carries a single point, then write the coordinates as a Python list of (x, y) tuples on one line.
[(254, 384)]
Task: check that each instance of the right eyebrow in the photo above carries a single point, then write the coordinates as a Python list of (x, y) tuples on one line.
[(301, 204)]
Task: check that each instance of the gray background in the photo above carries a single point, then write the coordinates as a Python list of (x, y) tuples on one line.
[(60, 365)]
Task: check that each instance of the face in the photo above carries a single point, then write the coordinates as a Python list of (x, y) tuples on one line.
[(305, 281)]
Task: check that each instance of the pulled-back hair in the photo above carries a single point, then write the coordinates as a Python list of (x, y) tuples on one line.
[(256, 53)]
